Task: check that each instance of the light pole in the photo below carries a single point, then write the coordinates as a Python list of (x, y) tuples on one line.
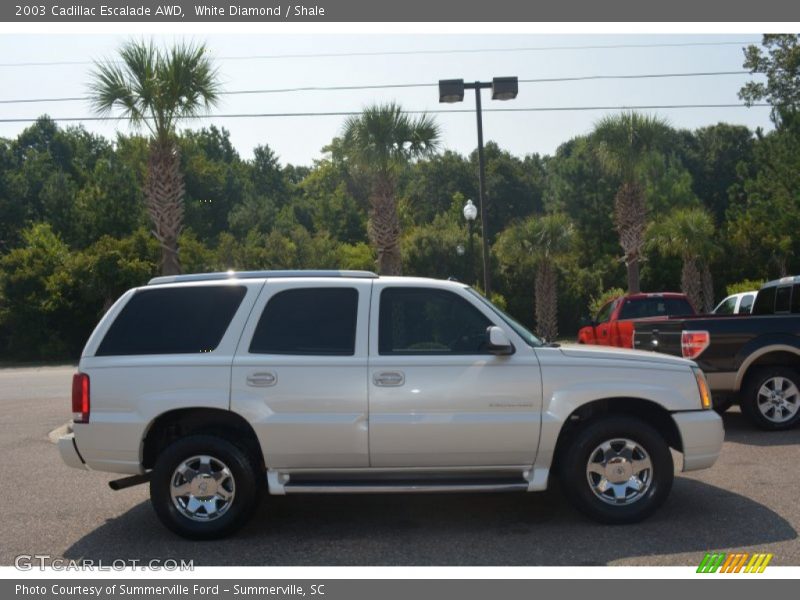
[(470, 213), (503, 88)]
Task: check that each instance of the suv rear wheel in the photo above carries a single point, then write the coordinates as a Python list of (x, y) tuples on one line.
[(771, 398), (204, 487), (617, 470)]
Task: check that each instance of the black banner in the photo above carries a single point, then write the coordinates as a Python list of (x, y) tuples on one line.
[(391, 589), (405, 11)]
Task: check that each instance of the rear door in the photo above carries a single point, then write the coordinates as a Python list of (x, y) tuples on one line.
[(300, 372)]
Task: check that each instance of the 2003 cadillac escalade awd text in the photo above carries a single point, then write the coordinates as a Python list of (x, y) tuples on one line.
[(217, 387)]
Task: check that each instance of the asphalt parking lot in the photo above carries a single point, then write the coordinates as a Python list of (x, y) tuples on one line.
[(747, 502)]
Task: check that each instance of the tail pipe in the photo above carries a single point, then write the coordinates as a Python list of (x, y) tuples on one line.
[(126, 482)]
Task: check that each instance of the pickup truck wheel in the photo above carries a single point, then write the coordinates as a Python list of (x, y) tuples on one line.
[(721, 404), (771, 398), (617, 470), (204, 487)]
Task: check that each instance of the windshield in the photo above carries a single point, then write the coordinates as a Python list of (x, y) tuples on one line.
[(519, 329)]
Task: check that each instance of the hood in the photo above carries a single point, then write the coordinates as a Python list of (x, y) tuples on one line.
[(611, 353)]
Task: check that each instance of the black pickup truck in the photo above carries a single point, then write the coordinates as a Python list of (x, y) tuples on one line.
[(750, 359)]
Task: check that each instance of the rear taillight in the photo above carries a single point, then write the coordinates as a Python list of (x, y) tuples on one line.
[(693, 343), (80, 398)]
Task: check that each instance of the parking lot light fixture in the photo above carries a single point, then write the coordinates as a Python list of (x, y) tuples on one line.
[(503, 88), (451, 90)]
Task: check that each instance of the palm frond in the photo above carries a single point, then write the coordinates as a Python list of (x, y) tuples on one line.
[(155, 88)]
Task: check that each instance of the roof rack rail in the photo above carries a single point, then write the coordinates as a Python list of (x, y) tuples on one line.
[(260, 275)]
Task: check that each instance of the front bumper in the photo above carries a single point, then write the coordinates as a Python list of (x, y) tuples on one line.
[(702, 435), (69, 450)]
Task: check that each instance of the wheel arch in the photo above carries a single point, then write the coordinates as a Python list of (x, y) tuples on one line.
[(772, 355), (175, 424), (648, 411)]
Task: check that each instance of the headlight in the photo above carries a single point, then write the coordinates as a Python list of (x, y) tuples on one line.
[(702, 386)]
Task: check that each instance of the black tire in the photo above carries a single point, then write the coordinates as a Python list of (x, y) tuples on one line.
[(749, 399), (722, 403), (246, 482), (575, 481)]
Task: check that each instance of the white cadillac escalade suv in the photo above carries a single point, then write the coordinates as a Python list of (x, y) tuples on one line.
[(215, 387)]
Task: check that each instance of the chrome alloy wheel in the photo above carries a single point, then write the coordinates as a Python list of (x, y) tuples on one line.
[(619, 471), (202, 488), (778, 399)]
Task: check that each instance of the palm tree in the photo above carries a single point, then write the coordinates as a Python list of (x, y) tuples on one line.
[(688, 233), (378, 144), (623, 144), (154, 89), (541, 242)]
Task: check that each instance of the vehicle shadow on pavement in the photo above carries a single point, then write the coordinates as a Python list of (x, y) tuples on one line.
[(740, 431), (460, 529)]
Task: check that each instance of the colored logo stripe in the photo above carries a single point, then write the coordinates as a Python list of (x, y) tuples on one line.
[(758, 563), (734, 563)]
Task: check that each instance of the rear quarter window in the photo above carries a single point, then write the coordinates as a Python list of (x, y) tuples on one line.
[(783, 299), (765, 302), (181, 320)]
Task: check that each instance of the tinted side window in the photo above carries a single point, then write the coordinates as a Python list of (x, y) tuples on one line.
[(783, 299), (796, 298), (427, 321), (765, 302), (180, 320), (726, 307), (747, 303), (308, 321), (605, 313)]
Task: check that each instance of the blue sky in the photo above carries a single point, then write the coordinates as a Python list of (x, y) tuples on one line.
[(299, 140)]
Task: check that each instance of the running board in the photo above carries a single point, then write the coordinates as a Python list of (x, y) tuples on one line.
[(394, 487)]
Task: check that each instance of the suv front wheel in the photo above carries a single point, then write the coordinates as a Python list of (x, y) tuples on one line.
[(204, 487), (617, 470)]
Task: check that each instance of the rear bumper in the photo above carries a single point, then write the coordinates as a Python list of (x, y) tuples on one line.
[(64, 439), (702, 435), (69, 451)]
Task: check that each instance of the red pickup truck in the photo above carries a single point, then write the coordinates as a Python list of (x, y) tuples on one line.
[(613, 324)]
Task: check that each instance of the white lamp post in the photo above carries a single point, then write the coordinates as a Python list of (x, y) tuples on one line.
[(470, 214)]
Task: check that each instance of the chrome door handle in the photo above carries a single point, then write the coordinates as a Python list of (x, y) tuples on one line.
[(262, 379), (389, 378)]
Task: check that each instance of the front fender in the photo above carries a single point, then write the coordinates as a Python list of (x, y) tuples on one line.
[(565, 390)]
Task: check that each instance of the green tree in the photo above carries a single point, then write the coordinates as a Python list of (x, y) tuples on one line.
[(541, 242), (379, 143), (779, 61), (624, 144), (514, 186), (432, 250), (763, 224), (430, 184), (155, 89), (688, 233), (713, 156), (217, 180)]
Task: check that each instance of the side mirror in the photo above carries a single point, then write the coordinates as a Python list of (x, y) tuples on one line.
[(498, 341)]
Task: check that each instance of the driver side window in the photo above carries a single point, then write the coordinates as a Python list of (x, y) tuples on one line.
[(416, 321), (605, 313)]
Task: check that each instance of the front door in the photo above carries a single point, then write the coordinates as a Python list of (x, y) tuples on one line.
[(437, 396)]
